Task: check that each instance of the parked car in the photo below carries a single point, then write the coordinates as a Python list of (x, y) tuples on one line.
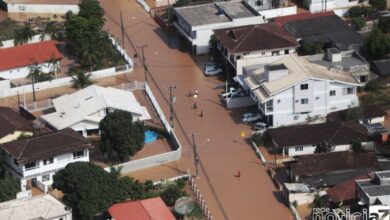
[(233, 92), (250, 117), (212, 69), (259, 126)]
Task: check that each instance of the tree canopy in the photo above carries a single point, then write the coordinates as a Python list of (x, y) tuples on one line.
[(120, 136), (379, 5), (9, 185), (377, 44), (87, 188)]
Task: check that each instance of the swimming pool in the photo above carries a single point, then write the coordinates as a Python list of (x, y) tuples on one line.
[(150, 136)]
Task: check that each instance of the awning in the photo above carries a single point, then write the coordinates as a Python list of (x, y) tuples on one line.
[(240, 80)]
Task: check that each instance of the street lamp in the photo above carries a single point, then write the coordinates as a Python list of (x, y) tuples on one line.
[(196, 155), (144, 61), (172, 99)]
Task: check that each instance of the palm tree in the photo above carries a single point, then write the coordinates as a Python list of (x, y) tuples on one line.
[(34, 72), (23, 35), (54, 65), (80, 80), (89, 56), (51, 28)]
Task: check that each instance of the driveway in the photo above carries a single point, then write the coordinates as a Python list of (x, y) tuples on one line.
[(251, 196)]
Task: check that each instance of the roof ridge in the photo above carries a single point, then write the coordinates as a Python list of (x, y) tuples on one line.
[(245, 37), (24, 147), (146, 210)]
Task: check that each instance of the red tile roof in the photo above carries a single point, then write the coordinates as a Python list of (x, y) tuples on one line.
[(148, 209), (28, 54), (303, 16), (345, 191)]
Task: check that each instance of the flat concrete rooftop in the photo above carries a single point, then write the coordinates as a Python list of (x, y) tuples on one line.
[(217, 12), (43, 2)]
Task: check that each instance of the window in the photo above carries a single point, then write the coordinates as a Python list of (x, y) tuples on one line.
[(16, 162), (259, 2), (304, 86), (262, 53), (275, 53), (296, 117), (31, 166), (78, 154), (298, 149), (286, 51), (45, 177), (48, 161), (348, 91), (363, 79), (304, 101), (332, 93)]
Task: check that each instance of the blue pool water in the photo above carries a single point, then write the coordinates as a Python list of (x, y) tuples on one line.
[(150, 136)]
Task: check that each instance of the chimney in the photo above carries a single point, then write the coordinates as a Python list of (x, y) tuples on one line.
[(333, 55), (274, 72)]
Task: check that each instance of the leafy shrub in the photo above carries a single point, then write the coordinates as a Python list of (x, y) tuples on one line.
[(357, 11), (358, 23), (372, 85), (171, 194), (258, 139)]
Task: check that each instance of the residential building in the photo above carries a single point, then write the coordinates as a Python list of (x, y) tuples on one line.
[(196, 23), (328, 5), (328, 137), (16, 62), (271, 8), (375, 191), (147, 209), (13, 125), (292, 90), (322, 28), (42, 207), (36, 159), (381, 67), (84, 109), (346, 61), (345, 192), (40, 7), (254, 41), (330, 169)]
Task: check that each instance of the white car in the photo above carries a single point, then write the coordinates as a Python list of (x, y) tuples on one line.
[(233, 92), (250, 117), (259, 126), (212, 69)]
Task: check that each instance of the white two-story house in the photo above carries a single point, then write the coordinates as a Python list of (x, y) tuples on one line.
[(84, 109), (196, 23), (292, 90), (36, 159), (328, 5)]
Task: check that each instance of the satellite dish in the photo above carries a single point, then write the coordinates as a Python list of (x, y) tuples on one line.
[(184, 205)]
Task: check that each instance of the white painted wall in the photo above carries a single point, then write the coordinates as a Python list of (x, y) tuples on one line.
[(277, 12), (321, 5), (287, 111), (23, 72), (42, 8), (309, 149), (35, 39)]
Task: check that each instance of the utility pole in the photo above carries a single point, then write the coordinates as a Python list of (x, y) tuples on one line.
[(172, 99), (122, 31), (144, 61), (196, 156)]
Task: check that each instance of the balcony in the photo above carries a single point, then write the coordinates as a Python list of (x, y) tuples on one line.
[(31, 168)]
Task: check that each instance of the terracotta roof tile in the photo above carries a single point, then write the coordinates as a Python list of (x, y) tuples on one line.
[(11, 121), (148, 209), (303, 16), (345, 191), (28, 54), (255, 38)]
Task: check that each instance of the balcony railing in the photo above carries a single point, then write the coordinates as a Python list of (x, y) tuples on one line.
[(31, 168)]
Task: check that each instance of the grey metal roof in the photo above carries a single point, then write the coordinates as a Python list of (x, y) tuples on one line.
[(218, 12), (374, 189), (350, 59), (325, 29)]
